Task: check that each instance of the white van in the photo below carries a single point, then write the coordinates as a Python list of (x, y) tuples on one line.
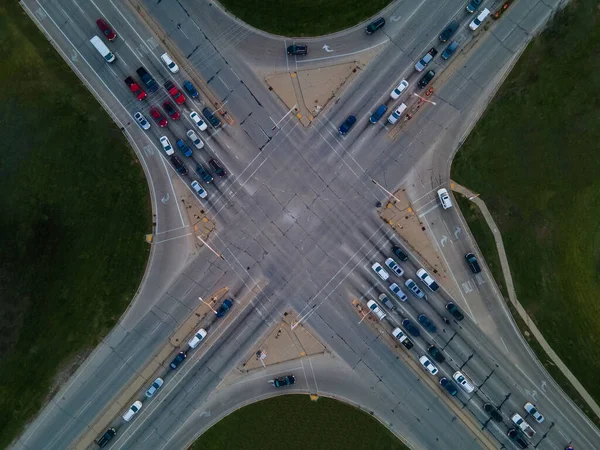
[(174, 68), (102, 49), (397, 114)]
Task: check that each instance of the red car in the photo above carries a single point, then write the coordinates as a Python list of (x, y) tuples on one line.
[(106, 29), (135, 88), (177, 96), (172, 112), (158, 118)]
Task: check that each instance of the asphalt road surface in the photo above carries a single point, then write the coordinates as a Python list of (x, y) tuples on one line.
[(298, 209)]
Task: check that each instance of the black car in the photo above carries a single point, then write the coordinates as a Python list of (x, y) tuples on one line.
[(428, 324), (411, 328), (517, 438), (345, 127), (207, 177), (399, 253), (217, 167), (449, 31), (179, 166), (150, 83), (492, 411), (297, 50), (375, 25), (436, 354), (472, 262), (212, 119), (424, 81), (110, 433), (449, 386), (452, 309), (284, 381), (178, 360)]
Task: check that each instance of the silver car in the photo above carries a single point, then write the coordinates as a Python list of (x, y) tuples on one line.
[(156, 385), (410, 284), (141, 120)]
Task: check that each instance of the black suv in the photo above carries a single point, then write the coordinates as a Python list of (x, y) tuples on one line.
[(212, 119), (452, 309), (517, 438), (399, 253), (411, 328), (179, 166), (375, 25), (492, 411), (150, 83), (217, 167), (297, 50), (426, 79), (110, 433), (449, 31), (436, 354), (472, 262)]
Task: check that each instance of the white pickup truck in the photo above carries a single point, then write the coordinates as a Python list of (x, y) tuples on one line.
[(524, 426)]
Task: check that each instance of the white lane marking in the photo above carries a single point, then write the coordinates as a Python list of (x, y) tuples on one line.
[(341, 55)]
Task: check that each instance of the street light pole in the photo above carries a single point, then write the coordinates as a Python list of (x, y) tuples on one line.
[(210, 248), (385, 190), (211, 308), (424, 99)]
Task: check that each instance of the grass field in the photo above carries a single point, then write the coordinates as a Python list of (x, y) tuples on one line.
[(73, 213), (303, 17), (534, 159), (294, 422)]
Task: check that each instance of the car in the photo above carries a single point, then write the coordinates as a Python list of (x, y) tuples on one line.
[(524, 426), (132, 411), (492, 411), (444, 198), (164, 141), (288, 380), (225, 306), (427, 323), (174, 92), (473, 5), (150, 82), (199, 189), (207, 177), (177, 360), (396, 290), (424, 81), (410, 284), (386, 301), (106, 437), (436, 353), (107, 31), (380, 271), (141, 120), (378, 114), (156, 385), (426, 59), (375, 25), (449, 31), (197, 338), (449, 386), (170, 110), (399, 253), (449, 51), (463, 382), (135, 88), (403, 338), (185, 149), (373, 306), (398, 90), (298, 50), (397, 114), (189, 87), (195, 139), (174, 68), (472, 262), (345, 127), (411, 328), (425, 362), (517, 438), (211, 117), (217, 167), (198, 121), (479, 19), (158, 117), (179, 166), (393, 265), (427, 280), (452, 309), (533, 412)]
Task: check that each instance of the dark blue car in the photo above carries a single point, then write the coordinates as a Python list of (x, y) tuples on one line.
[(411, 328), (189, 87), (226, 306), (207, 177), (345, 127), (184, 148), (449, 386), (177, 360)]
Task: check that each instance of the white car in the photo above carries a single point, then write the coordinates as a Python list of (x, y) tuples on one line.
[(198, 121), (444, 198), (530, 408), (195, 139), (155, 387), (376, 309), (199, 189), (132, 411), (380, 271), (463, 382), (396, 290), (399, 89), (164, 141), (424, 360), (198, 337), (479, 19), (174, 68), (141, 120), (393, 265), (426, 278)]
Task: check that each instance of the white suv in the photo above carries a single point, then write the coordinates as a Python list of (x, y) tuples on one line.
[(380, 271), (444, 198), (426, 278), (376, 309), (463, 382)]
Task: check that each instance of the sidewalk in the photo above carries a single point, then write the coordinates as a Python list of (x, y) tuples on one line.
[(473, 197)]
